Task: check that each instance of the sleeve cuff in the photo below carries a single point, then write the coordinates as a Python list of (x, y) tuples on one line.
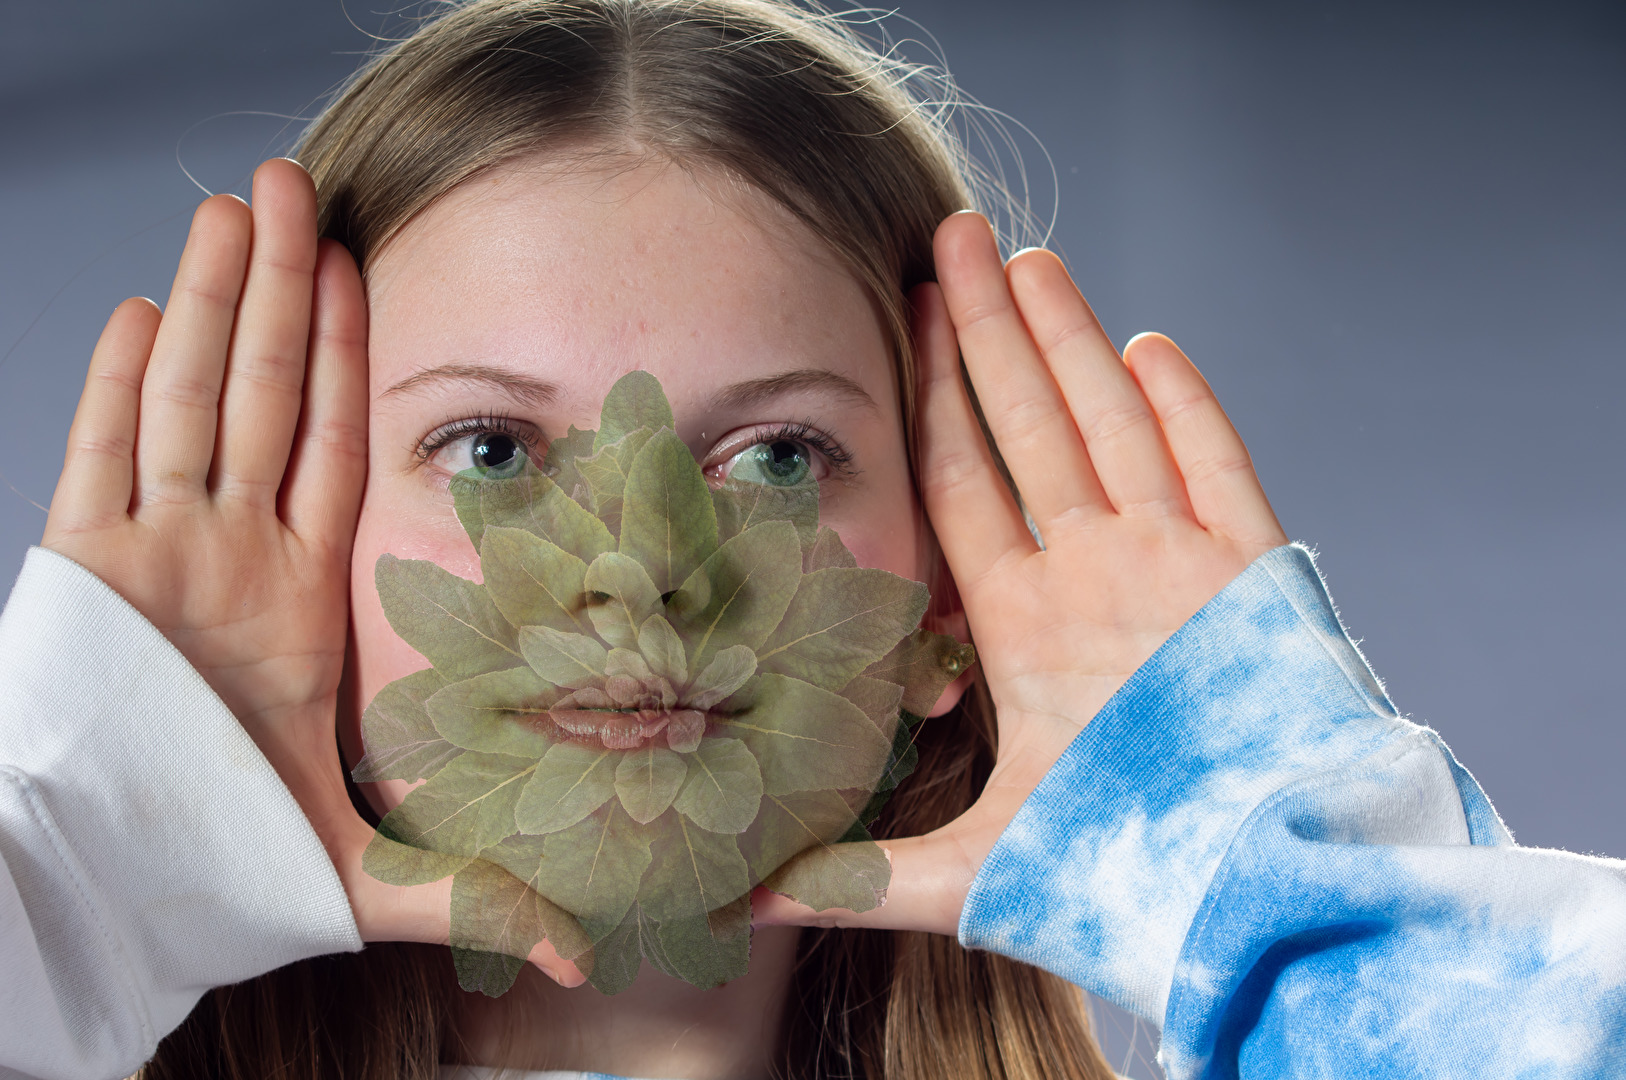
[(1100, 874), (186, 851)]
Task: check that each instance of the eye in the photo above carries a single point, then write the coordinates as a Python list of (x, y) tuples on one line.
[(780, 463), (492, 454), (783, 455)]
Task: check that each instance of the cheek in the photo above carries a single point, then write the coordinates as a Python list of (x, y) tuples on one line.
[(883, 529), (408, 526)]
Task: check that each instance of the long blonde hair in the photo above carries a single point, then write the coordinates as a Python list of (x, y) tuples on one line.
[(795, 104)]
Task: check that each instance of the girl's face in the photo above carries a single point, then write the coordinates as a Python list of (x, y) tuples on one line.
[(502, 315)]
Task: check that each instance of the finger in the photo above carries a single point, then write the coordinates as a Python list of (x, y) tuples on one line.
[(1119, 428), (180, 397), (1220, 481), (1025, 410), (556, 967), (98, 470), (930, 878), (972, 511), (329, 464), (259, 407)]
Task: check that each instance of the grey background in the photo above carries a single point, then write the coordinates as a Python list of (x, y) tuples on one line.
[(1392, 234)]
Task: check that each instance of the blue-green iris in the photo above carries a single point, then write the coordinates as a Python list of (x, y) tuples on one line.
[(498, 456), (781, 463)]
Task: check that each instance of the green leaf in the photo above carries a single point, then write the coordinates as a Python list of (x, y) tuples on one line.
[(788, 825), (879, 700), (450, 621), (395, 863), (923, 664), (571, 782), (742, 504), (467, 806), (839, 622), (707, 951), (401, 740), (624, 598), (496, 914), (647, 780), (593, 868), (667, 521), (723, 788), (805, 737), (504, 712), (635, 401), (739, 595), (533, 582), (851, 876), (605, 474), (663, 649), (560, 464), (533, 502), (727, 672), (573, 660), (617, 956), (827, 551), (694, 872)]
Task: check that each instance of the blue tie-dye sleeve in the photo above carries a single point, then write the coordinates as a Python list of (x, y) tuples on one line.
[(1250, 848)]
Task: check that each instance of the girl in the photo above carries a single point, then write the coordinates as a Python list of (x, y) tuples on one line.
[(1171, 780)]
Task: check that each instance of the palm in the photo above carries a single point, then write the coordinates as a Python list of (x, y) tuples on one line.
[(1144, 496)]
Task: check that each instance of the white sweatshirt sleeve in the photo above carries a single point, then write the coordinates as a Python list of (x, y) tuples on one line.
[(148, 851)]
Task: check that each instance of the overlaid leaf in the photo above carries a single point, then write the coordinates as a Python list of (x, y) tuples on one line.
[(710, 950), (635, 401), (879, 700), (593, 868), (395, 863), (533, 502), (605, 475), (533, 582), (663, 650), (573, 660), (694, 872), (839, 622), (806, 738), (723, 786), (569, 783), (659, 697), (923, 664), (827, 552), (451, 621), (739, 595), (647, 780), (401, 740), (727, 672), (623, 598), (503, 712), (741, 504), (494, 914), (667, 520), (467, 806)]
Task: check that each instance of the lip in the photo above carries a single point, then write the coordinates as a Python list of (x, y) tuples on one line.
[(630, 729)]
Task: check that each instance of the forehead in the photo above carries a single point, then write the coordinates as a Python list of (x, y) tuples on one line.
[(580, 275)]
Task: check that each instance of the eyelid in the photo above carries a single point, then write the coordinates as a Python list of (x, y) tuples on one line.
[(820, 442), (500, 423)]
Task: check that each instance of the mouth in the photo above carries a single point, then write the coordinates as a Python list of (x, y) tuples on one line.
[(630, 729)]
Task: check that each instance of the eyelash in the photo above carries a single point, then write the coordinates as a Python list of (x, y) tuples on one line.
[(803, 431), (497, 423)]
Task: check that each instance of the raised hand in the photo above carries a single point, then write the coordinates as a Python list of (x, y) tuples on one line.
[(1144, 495), (215, 466)]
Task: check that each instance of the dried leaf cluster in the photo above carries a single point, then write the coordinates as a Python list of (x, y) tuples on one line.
[(661, 696)]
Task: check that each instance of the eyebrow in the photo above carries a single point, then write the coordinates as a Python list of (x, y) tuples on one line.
[(756, 391), (521, 388)]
